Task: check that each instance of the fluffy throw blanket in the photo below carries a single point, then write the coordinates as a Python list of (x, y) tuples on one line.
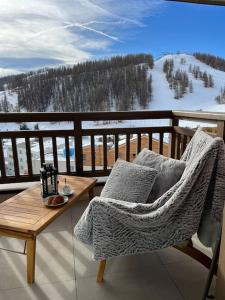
[(115, 228)]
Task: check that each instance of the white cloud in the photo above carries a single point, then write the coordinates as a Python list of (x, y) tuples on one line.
[(7, 71), (66, 30)]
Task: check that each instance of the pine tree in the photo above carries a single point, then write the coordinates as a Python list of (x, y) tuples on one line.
[(23, 126), (190, 68), (36, 126), (210, 81), (5, 105), (211, 60), (221, 98), (218, 99), (191, 89), (177, 92), (183, 61), (205, 79)]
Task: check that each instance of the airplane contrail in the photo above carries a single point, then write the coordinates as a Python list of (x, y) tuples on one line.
[(70, 25)]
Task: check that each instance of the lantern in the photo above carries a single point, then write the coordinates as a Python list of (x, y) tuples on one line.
[(48, 174)]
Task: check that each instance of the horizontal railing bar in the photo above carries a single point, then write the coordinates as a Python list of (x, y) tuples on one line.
[(184, 131), (97, 116), (21, 178), (112, 131), (97, 173), (35, 133), (87, 116), (36, 177), (195, 115), (27, 178), (189, 132)]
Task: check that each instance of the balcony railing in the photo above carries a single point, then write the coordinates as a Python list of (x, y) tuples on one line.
[(170, 136)]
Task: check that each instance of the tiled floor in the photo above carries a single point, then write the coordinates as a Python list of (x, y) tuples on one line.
[(65, 270)]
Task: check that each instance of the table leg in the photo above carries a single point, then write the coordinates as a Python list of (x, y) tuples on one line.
[(31, 252), (101, 271), (91, 193)]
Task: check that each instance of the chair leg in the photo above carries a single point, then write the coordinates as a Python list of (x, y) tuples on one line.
[(101, 270), (212, 271)]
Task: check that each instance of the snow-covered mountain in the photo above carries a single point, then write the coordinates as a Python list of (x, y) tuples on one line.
[(201, 98)]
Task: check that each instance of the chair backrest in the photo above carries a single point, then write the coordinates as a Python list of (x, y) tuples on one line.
[(198, 143)]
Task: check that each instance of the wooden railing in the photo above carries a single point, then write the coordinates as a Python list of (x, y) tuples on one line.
[(177, 138), (74, 135)]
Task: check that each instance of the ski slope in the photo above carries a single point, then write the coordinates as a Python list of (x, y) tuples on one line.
[(201, 99)]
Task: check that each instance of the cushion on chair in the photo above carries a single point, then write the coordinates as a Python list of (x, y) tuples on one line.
[(129, 182), (169, 171)]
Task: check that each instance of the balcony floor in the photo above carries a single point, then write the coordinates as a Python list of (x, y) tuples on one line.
[(65, 270)]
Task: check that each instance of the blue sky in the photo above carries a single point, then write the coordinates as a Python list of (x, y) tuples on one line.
[(41, 33), (179, 27)]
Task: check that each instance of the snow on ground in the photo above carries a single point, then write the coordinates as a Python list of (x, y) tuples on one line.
[(12, 97)]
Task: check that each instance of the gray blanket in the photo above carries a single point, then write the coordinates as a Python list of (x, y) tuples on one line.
[(115, 228)]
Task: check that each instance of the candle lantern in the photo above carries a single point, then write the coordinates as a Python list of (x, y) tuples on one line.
[(48, 174)]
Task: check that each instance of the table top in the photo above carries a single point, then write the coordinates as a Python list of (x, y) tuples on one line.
[(25, 212)]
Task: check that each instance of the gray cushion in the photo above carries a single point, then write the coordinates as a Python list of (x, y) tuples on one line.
[(169, 171), (129, 182)]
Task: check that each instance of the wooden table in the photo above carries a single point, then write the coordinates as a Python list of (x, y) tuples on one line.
[(24, 216)]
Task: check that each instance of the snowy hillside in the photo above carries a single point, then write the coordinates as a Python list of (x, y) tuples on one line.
[(201, 98), (163, 97)]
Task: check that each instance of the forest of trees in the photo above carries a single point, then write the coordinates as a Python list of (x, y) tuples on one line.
[(178, 81), (221, 98), (213, 61), (207, 79), (5, 105), (118, 83)]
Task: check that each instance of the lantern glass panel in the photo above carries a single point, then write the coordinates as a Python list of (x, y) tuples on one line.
[(48, 174)]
